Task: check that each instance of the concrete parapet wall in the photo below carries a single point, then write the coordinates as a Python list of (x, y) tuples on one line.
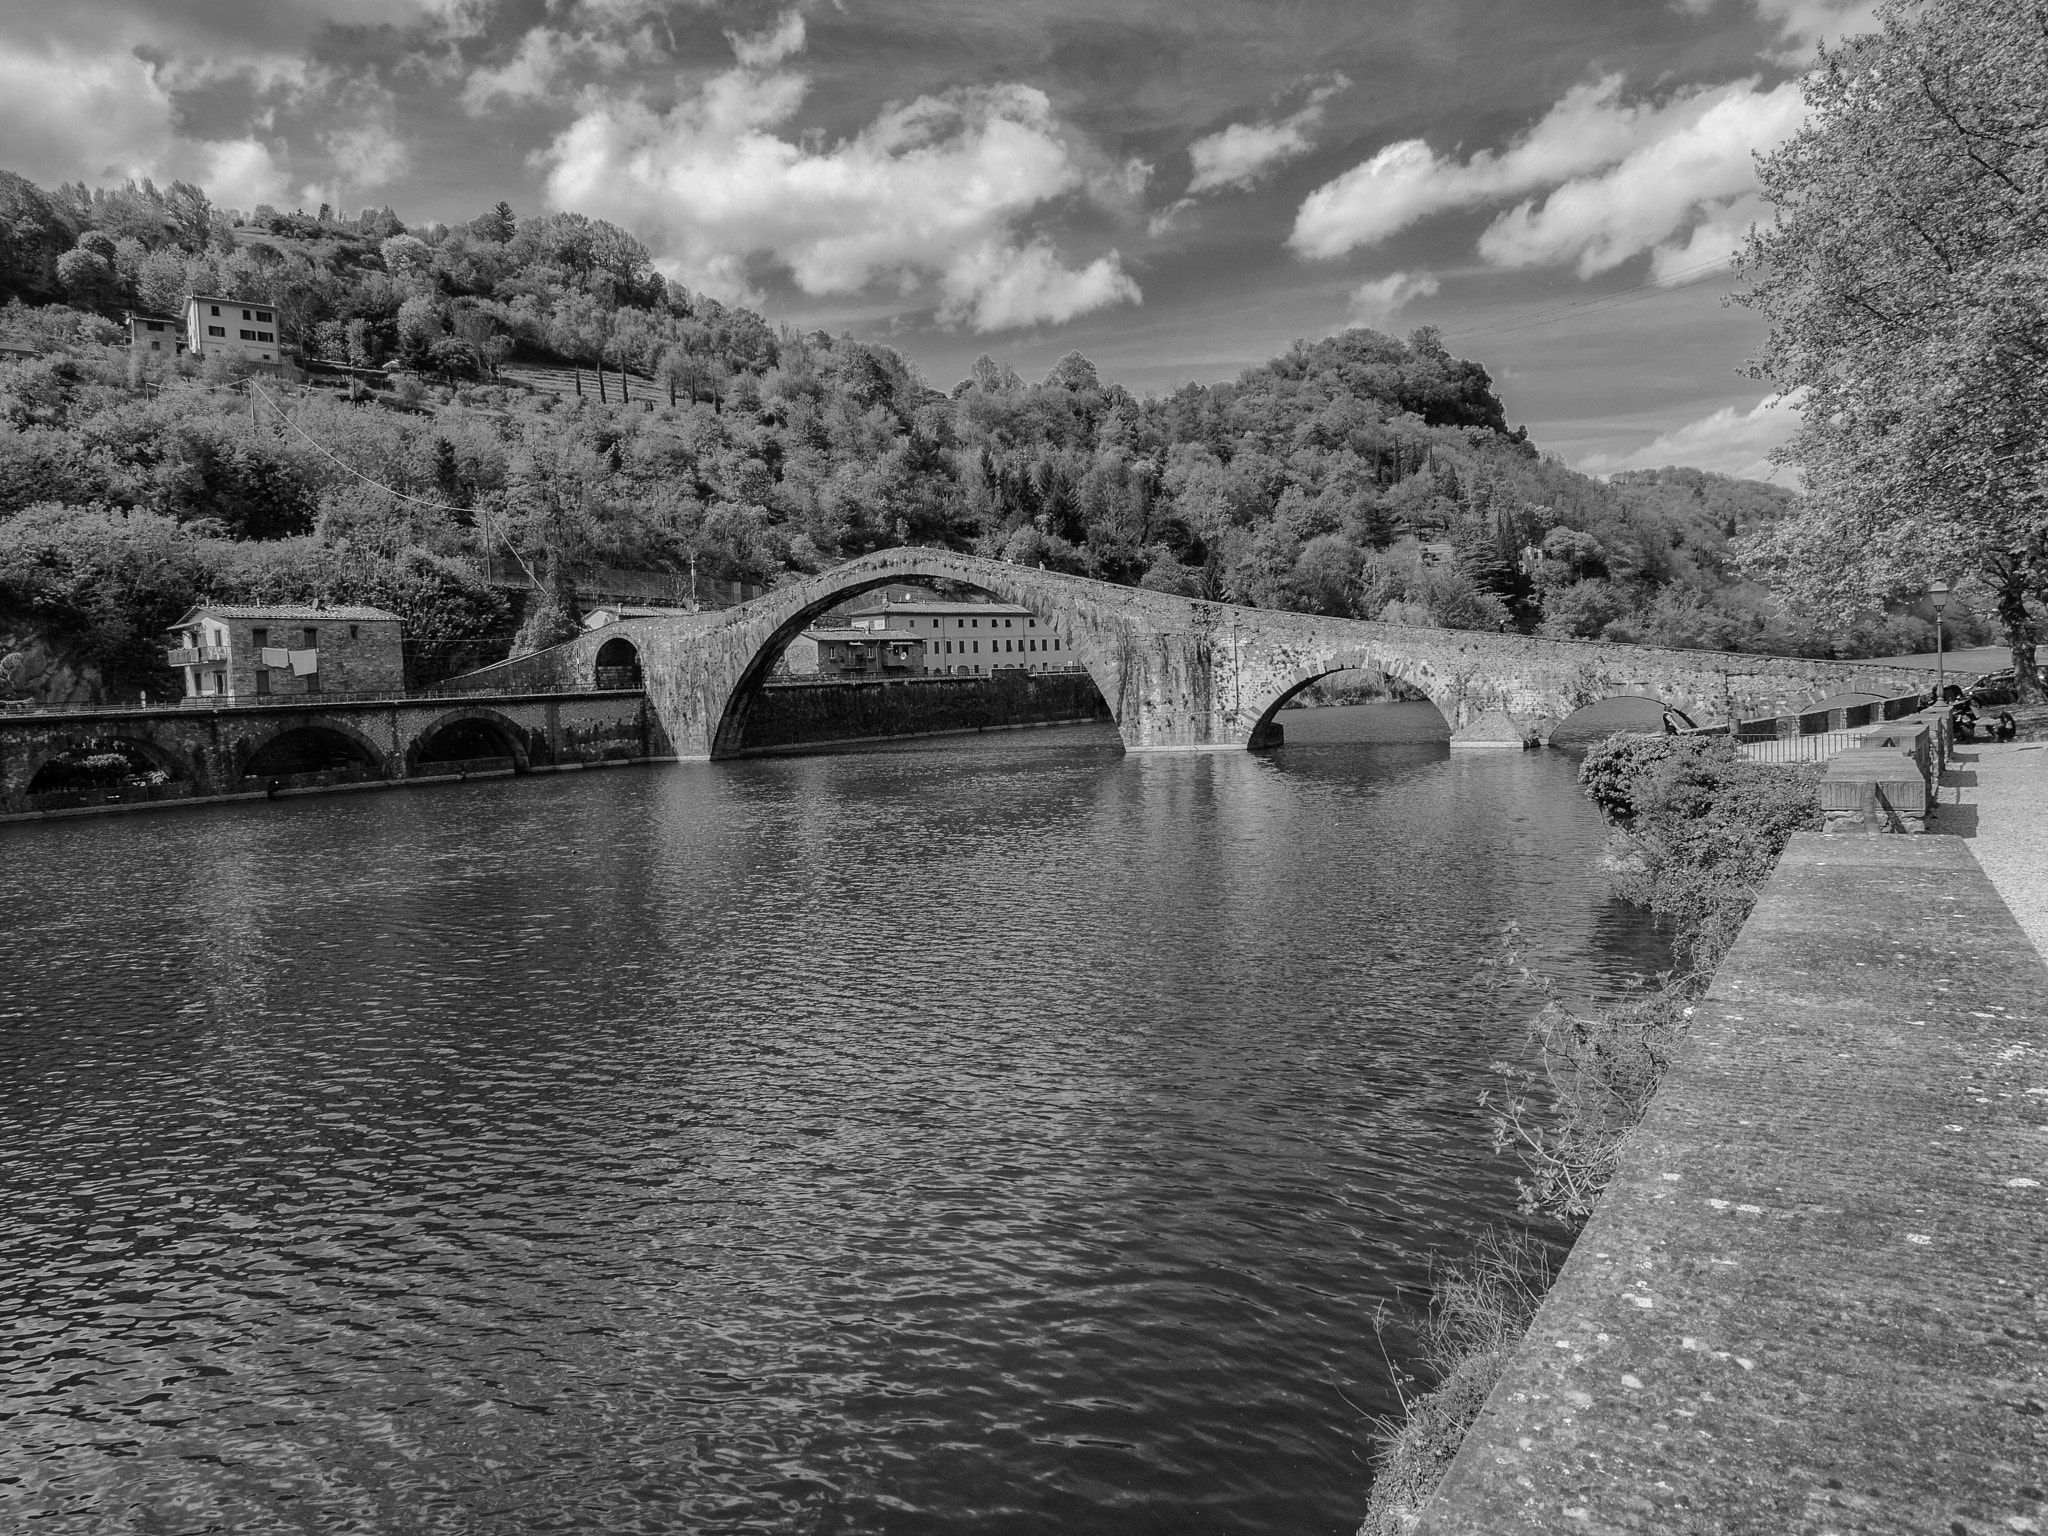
[(1813, 1298)]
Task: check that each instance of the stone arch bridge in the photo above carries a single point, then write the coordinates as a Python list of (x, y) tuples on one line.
[(1180, 674), (204, 753)]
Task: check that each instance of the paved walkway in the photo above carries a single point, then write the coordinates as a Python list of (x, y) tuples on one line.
[(1815, 1297), (1996, 799)]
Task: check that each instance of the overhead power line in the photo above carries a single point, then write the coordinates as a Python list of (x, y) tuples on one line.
[(347, 468)]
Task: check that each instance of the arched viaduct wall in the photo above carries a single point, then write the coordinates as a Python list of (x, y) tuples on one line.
[(211, 750), (1184, 675)]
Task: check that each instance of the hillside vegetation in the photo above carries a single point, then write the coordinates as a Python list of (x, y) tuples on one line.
[(1356, 475)]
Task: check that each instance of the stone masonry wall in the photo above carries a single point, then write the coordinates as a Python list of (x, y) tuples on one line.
[(795, 714)]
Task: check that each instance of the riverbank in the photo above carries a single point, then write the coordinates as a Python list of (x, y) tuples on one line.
[(1696, 831), (1857, 1067), (1808, 1301)]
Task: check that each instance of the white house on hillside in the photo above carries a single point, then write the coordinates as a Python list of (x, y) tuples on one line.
[(217, 327)]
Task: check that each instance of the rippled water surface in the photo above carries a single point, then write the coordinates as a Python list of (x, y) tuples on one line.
[(983, 1135)]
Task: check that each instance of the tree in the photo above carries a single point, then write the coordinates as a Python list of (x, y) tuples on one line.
[(87, 277), (1905, 280)]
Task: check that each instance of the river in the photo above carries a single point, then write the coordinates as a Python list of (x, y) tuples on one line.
[(972, 1135)]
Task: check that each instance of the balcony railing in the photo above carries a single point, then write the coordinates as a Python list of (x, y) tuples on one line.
[(195, 655)]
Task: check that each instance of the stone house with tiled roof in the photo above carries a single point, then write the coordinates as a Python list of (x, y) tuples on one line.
[(237, 653)]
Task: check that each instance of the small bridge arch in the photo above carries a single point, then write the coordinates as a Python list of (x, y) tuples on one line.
[(303, 746), (38, 774), (617, 664), (450, 737), (1393, 667)]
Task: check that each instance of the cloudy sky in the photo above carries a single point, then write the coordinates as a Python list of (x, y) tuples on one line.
[(1176, 187)]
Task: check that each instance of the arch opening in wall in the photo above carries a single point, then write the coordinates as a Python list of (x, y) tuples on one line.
[(475, 741), (1012, 664), (1623, 712), (1357, 704), (108, 764), (311, 751), (618, 665)]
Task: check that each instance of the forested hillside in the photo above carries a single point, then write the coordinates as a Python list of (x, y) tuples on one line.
[(1355, 475)]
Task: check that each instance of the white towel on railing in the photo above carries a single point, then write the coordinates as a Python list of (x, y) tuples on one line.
[(305, 663)]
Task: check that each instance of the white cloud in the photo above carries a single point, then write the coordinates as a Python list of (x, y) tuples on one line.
[(1408, 181), (1676, 179), (1376, 303), (240, 173), (939, 188), (1803, 24), (1730, 441), (1239, 155), (71, 115), (65, 115), (367, 153), (1698, 172), (542, 56), (1713, 243), (768, 49)]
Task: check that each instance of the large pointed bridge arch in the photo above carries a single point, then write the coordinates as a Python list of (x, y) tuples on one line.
[(1180, 674)]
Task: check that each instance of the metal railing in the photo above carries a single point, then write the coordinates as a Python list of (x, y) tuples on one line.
[(1799, 749), (31, 708)]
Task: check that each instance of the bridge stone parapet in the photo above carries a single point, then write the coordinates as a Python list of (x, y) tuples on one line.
[(1180, 674), (207, 753)]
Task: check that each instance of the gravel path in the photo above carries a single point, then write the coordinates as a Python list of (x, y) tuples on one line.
[(2001, 798)]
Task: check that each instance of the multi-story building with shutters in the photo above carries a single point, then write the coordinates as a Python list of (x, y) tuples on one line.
[(217, 327), (232, 654), (974, 639)]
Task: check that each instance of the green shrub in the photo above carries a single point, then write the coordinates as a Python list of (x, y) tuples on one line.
[(1478, 1314)]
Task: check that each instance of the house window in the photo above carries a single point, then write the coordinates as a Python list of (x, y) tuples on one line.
[(265, 336), (262, 682), (217, 330), (245, 314), (312, 637), (259, 638), (312, 682), (263, 316), (1006, 623), (248, 335), (977, 651), (353, 632), (216, 310), (156, 346), (152, 325)]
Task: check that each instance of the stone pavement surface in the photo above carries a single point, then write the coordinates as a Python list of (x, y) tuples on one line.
[(1996, 798), (1815, 1298)]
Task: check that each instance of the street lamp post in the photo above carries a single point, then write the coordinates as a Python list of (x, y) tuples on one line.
[(1938, 591)]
